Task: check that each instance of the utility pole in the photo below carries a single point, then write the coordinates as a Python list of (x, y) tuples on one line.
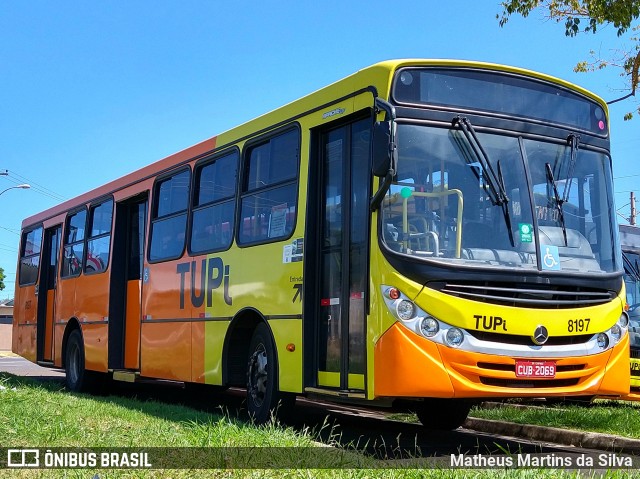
[(632, 218)]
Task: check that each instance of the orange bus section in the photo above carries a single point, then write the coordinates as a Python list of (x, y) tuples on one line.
[(421, 235)]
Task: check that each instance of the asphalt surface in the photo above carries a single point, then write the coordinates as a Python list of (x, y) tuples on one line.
[(371, 430)]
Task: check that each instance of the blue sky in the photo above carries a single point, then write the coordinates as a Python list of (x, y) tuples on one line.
[(90, 91)]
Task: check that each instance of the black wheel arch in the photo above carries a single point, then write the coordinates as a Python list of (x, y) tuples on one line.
[(235, 349), (72, 325)]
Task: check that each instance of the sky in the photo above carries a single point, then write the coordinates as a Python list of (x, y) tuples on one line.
[(90, 91)]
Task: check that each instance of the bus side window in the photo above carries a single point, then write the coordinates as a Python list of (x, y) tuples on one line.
[(99, 239), (74, 244), (268, 203), (30, 256), (169, 221), (213, 212)]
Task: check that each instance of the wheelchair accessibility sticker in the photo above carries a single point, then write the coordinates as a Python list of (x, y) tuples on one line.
[(550, 258)]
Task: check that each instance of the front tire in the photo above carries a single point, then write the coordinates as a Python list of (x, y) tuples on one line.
[(263, 395), (443, 414)]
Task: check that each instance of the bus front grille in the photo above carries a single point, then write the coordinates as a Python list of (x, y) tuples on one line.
[(530, 296), (526, 340)]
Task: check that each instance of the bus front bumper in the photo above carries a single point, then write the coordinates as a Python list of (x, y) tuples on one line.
[(408, 365)]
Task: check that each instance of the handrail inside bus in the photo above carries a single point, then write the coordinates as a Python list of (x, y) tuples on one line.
[(407, 193)]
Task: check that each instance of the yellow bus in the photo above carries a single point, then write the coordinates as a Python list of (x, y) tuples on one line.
[(422, 234)]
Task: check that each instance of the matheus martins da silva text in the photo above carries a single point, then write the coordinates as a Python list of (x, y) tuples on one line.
[(607, 460)]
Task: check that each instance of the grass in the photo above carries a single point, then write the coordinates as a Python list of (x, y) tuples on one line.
[(620, 418), (43, 414), (609, 417)]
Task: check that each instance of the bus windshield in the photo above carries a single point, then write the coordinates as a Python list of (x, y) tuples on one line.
[(526, 204)]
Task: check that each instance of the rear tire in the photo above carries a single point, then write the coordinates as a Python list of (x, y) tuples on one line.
[(443, 414), (264, 399), (76, 378)]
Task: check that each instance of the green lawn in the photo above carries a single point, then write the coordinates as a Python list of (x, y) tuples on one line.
[(43, 414), (609, 417)]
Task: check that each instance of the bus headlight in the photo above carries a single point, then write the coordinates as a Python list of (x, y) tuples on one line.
[(405, 310), (454, 337), (603, 341), (624, 320), (411, 315), (616, 333), (429, 327)]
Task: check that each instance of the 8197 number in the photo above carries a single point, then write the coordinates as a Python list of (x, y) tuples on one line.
[(578, 325)]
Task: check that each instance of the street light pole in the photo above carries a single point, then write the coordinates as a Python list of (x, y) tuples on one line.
[(24, 186)]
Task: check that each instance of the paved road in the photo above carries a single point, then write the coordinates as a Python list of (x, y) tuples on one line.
[(13, 364)]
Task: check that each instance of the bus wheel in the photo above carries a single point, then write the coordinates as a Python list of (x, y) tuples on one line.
[(75, 374), (443, 414), (263, 397)]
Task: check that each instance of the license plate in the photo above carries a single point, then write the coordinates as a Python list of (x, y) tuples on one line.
[(535, 369)]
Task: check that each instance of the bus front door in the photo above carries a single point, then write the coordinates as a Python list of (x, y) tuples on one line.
[(47, 293), (343, 219)]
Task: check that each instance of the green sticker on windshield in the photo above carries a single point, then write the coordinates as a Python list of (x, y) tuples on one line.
[(526, 232)]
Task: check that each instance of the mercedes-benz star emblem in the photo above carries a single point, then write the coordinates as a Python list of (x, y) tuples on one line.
[(540, 335)]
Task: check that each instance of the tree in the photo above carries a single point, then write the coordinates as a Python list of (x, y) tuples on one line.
[(586, 16), (2, 276)]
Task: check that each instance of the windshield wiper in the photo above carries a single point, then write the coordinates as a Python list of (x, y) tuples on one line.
[(505, 205), (498, 193), (559, 201), (494, 182), (574, 141), (632, 266)]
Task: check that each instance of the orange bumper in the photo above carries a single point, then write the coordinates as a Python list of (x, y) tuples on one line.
[(407, 365)]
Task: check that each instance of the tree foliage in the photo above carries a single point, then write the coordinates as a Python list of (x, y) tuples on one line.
[(586, 16), (2, 276)]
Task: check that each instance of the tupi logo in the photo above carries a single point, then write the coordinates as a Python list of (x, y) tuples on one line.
[(213, 274)]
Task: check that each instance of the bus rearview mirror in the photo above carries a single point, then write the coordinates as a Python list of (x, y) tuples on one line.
[(382, 148)]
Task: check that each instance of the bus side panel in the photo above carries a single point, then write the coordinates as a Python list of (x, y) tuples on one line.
[(215, 332), (24, 323), (95, 346), (197, 351), (58, 336), (165, 348), (267, 278), (285, 332), (65, 308)]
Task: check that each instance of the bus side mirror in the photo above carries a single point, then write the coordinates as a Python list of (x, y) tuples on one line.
[(383, 148)]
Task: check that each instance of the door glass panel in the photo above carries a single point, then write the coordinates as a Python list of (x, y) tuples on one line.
[(358, 248), (53, 258), (331, 285), (137, 217)]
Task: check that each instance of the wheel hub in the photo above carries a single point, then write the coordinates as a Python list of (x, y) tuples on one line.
[(258, 375)]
